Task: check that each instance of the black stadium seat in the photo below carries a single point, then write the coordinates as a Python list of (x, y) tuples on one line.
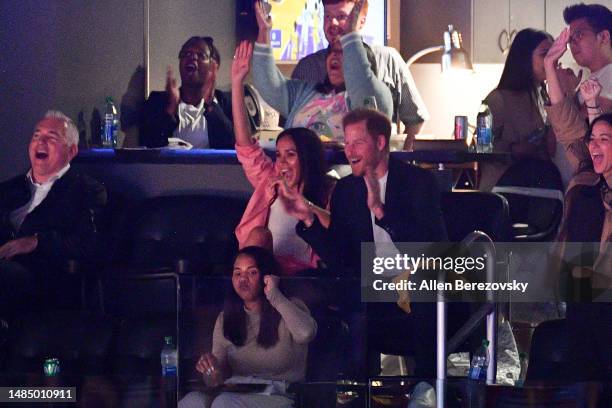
[(466, 211)]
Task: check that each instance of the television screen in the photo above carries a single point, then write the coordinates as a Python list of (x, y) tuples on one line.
[(298, 27)]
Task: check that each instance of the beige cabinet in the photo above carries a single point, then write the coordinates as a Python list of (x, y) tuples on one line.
[(496, 22), (487, 26)]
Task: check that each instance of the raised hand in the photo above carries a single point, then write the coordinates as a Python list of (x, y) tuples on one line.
[(172, 90), (242, 61), (558, 48), (264, 22), (354, 17), (270, 284), (590, 90)]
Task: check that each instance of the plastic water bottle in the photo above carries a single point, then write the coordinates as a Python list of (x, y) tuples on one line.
[(480, 363), (484, 129), (169, 358), (477, 376), (169, 366), (111, 122)]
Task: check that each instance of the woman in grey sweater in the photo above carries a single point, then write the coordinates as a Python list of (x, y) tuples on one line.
[(260, 337)]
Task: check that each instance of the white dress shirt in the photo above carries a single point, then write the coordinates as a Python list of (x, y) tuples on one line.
[(192, 126), (38, 192)]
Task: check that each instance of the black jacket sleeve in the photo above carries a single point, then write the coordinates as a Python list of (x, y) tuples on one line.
[(334, 245), (421, 219), (218, 118), (71, 234)]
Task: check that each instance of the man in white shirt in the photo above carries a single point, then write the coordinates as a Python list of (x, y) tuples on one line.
[(383, 201), (590, 43), (47, 214)]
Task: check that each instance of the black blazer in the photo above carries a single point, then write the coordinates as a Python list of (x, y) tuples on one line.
[(412, 214), (64, 220), (157, 126)]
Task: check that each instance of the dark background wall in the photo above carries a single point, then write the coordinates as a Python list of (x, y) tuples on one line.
[(71, 54)]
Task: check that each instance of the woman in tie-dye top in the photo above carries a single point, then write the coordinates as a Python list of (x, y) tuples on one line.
[(351, 83)]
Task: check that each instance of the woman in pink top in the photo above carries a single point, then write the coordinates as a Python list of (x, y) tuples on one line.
[(299, 169)]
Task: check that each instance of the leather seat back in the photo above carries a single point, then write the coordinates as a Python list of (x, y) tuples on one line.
[(82, 341), (467, 211), (196, 228)]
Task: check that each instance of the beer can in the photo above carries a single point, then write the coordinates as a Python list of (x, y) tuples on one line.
[(51, 367), (461, 127)]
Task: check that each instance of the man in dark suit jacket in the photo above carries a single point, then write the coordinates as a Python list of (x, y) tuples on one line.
[(197, 112), (383, 201), (46, 215), (382, 196)]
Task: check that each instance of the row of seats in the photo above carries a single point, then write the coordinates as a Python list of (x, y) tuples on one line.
[(94, 344), (151, 245), (200, 229), (163, 275)]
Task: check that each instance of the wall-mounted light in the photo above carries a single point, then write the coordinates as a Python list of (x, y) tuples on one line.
[(454, 56)]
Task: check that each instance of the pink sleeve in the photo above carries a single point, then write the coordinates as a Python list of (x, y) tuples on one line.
[(257, 166)]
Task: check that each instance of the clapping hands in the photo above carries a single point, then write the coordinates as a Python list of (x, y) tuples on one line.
[(172, 90), (374, 202), (293, 201)]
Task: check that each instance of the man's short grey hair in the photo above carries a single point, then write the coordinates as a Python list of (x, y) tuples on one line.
[(72, 133)]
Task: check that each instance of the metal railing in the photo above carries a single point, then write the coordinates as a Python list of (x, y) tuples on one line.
[(488, 311)]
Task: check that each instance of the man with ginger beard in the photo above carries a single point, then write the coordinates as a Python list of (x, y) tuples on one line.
[(384, 201), (46, 215), (196, 112)]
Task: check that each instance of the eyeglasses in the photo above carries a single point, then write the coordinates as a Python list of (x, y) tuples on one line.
[(578, 35), (340, 18), (200, 55), (190, 54)]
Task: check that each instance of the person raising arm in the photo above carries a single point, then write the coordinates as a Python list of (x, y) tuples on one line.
[(350, 83), (299, 162)]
